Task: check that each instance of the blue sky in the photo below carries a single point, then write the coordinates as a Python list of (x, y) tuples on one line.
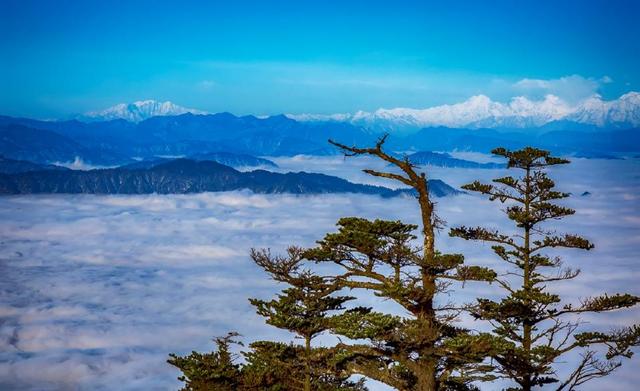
[(66, 57)]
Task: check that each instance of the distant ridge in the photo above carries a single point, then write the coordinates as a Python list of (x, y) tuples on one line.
[(188, 134), (12, 166), (44, 146), (445, 160), (119, 142), (235, 160), (183, 176)]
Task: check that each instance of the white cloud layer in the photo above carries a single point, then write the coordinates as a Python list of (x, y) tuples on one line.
[(95, 291)]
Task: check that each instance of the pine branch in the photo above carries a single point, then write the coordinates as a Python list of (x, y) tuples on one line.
[(598, 304), (485, 235), (566, 241), (493, 192), (589, 368), (388, 175)]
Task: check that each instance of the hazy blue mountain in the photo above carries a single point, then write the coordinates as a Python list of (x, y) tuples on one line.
[(190, 134), (558, 141), (146, 164), (115, 142), (189, 176), (228, 159), (106, 134), (623, 140), (43, 146), (234, 159), (12, 166), (595, 155), (446, 160), (446, 139), (274, 136)]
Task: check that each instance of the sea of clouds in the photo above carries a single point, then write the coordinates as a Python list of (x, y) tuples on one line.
[(95, 291)]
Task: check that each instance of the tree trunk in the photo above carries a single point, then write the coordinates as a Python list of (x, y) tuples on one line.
[(526, 337), (307, 364), (427, 378)]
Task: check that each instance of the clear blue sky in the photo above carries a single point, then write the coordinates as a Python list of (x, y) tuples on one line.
[(265, 57)]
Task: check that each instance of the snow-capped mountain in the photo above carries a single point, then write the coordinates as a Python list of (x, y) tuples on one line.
[(138, 111), (622, 112), (482, 112)]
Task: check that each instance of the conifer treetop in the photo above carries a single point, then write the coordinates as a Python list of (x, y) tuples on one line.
[(531, 320)]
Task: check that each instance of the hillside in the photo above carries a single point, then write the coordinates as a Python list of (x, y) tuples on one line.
[(182, 176)]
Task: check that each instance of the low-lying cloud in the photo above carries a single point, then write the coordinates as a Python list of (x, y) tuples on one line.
[(95, 291)]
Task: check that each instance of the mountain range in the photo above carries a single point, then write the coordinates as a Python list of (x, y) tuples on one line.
[(586, 143), (234, 160), (482, 112), (116, 142), (119, 142), (476, 112), (181, 176), (12, 166), (41, 145), (145, 150)]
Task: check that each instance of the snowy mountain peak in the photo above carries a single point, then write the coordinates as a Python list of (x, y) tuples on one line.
[(138, 111), (480, 111), (632, 95)]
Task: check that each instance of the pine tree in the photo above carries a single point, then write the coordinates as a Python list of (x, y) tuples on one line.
[(306, 308), (277, 366), (423, 351), (210, 371), (269, 366), (531, 320)]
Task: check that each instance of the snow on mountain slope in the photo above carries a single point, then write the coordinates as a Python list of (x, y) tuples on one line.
[(138, 111), (624, 111), (480, 111)]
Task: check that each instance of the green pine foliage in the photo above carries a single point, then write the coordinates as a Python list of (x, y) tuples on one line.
[(277, 366), (217, 370), (533, 323), (423, 350), (268, 366), (306, 308)]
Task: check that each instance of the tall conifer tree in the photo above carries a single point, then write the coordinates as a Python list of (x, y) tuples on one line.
[(423, 350), (307, 307), (217, 370), (535, 326)]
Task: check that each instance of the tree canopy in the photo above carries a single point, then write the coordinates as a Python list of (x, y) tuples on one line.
[(535, 324), (422, 347)]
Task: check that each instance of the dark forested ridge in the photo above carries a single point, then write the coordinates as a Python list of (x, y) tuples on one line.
[(188, 176)]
